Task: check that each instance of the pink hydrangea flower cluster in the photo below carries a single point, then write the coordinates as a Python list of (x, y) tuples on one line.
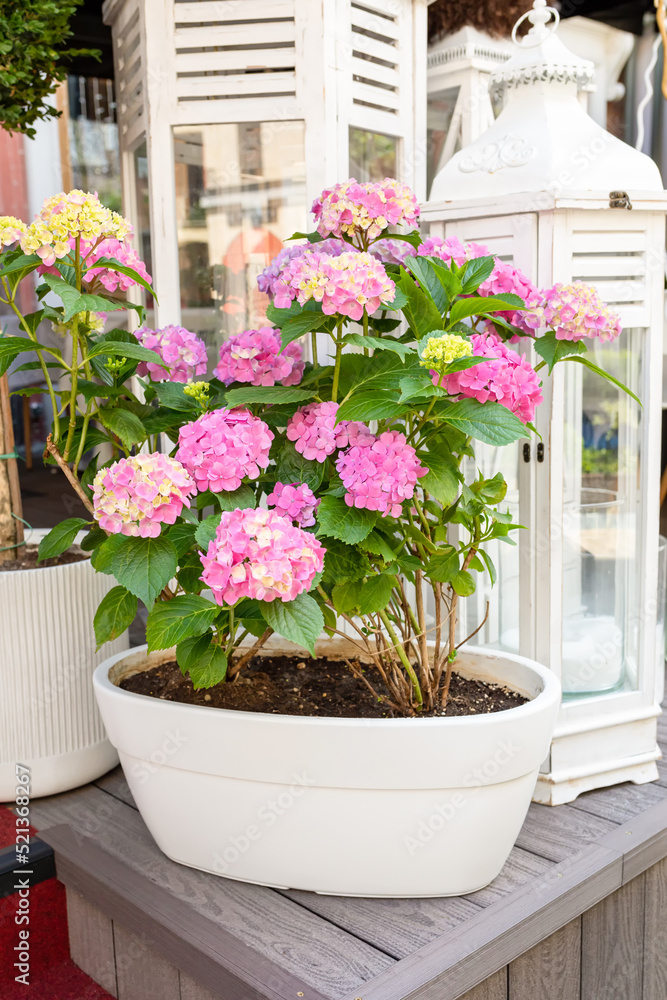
[(266, 281), (316, 434), (66, 216), (506, 378), (346, 284), (295, 500), (256, 356), (260, 555), (350, 208), (507, 278), (379, 473), (450, 248), (124, 254), (577, 311), (181, 350), (137, 495), (222, 447)]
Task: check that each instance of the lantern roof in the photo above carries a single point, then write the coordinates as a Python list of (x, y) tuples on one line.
[(543, 139)]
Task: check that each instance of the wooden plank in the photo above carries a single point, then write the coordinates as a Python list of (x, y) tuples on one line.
[(655, 932), (612, 946), (207, 11), (192, 990), (142, 973), (386, 100), (466, 956), (114, 784), (589, 266), (397, 926), (620, 803), (197, 946), (382, 26), (551, 969), (264, 109), (557, 834), (245, 911), (209, 38), (642, 841), (238, 59), (236, 85), (373, 71), (386, 51), (520, 868), (91, 941), (494, 988), (608, 242)]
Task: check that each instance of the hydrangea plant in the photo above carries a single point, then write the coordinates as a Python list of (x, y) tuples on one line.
[(295, 496)]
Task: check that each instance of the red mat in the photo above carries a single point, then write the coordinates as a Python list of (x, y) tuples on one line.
[(53, 975)]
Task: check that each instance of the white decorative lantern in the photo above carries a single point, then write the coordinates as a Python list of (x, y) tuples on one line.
[(235, 114), (549, 189), (459, 103)]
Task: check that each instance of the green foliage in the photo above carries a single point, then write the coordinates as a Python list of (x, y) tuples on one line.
[(61, 537), (301, 620), (33, 59), (114, 615)]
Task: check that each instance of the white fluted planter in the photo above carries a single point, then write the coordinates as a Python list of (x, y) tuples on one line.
[(49, 720), (359, 807)]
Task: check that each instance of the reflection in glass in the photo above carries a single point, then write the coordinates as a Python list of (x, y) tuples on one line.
[(93, 138), (239, 189), (373, 156), (601, 527), (440, 111)]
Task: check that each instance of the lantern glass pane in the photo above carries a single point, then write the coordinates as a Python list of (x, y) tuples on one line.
[(240, 188), (501, 628), (601, 528), (440, 111), (142, 228), (373, 156)]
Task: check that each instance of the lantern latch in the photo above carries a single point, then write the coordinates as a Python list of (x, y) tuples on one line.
[(526, 452), (619, 199), (540, 452)]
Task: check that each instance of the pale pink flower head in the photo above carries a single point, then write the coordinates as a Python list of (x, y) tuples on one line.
[(11, 230), (576, 311), (295, 500), (182, 351), (352, 208), (256, 356), (506, 378), (316, 434), (68, 216), (379, 473), (137, 495), (266, 281), (261, 555), (450, 248), (222, 447), (346, 284)]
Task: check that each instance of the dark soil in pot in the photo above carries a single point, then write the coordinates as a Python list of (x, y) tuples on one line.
[(26, 558), (283, 685)]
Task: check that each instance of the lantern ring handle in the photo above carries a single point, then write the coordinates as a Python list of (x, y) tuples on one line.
[(539, 31)]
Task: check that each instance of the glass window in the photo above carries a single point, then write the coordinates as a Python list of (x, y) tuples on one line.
[(601, 521), (439, 114), (240, 189), (373, 156), (93, 138)]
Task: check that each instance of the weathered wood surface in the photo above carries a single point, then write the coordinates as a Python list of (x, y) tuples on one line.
[(579, 912), (91, 941)]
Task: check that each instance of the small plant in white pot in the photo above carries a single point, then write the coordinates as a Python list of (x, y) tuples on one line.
[(303, 716), (49, 720)]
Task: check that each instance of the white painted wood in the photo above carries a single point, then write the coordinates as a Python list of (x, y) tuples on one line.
[(228, 11), (216, 62), (236, 85), (260, 33)]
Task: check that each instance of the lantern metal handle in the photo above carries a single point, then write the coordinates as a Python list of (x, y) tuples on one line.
[(539, 17)]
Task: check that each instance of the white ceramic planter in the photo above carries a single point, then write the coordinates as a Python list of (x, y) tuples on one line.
[(366, 807), (49, 719)]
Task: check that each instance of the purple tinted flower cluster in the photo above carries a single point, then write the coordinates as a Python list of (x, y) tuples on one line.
[(346, 284), (379, 473), (506, 378), (220, 448), (255, 356), (577, 311), (181, 350), (352, 208), (507, 278), (266, 281), (316, 434), (295, 500), (260, 555)]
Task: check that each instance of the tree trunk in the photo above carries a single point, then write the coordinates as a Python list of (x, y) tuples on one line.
[(11, 529)]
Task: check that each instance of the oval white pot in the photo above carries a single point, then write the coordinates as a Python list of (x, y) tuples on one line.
[(49, 720), (365, 807)]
